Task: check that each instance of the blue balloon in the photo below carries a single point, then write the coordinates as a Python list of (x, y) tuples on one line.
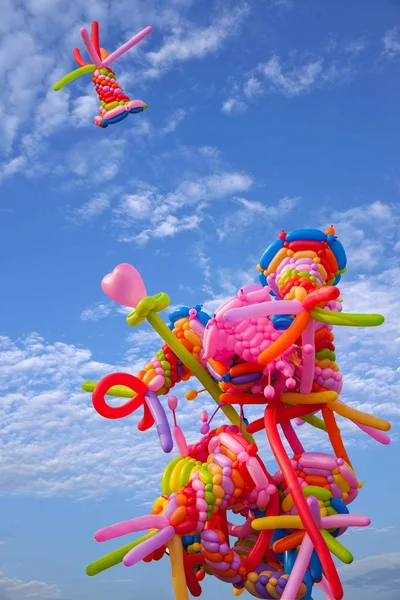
[(263, 279), (270, 253), (289, 560), (179, 313), (339, 506), (315, 566), (339, 253), (309, 583), (306, 234), (203, 317), (278, 535), (115, 119), (281, 322)]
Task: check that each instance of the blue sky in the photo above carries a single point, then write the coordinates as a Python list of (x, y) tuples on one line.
[(262, 115)]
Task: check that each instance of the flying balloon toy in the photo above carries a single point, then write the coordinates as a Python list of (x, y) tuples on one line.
[(115, 105), (271, 347)]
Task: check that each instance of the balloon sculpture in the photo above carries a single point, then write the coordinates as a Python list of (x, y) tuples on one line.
[(115, 105), (270, 346)]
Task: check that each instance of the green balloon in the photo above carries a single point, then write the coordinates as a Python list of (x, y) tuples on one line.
[(115, 557), (73, 75), (353, 320)]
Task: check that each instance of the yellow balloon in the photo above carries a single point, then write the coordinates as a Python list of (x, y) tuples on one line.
[(178, 571), (313, 398), (359, 416), (282, 522)]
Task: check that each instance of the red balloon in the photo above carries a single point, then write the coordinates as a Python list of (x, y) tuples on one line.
[(109, 381)]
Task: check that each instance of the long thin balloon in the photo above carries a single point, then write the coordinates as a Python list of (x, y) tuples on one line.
[(161, 421), (140, 552), (299, 569), (351, 319), (178, 570), (298, 497), (131, 526), (308, 358), (264, 309), (287, 338), (127, 46), (73, 75), (357, 415), (116, 557), (334, 435), (90, 48), (377, 435)]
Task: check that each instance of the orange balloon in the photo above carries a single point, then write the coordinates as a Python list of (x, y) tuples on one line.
[(334, 435), (287, 338)]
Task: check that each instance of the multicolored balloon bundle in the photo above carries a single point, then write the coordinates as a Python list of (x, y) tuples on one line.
[(270, 346), (115, 105)]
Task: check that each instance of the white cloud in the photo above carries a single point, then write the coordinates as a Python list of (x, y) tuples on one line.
[(91, 209), (373, 577), (391, 42), (366, 231), (356, 46), (250, 211), (252, 87), (100, 162), (233, 106), (174, 121), (53, 441), (292, 82), (158, 209), (84, 108), (97, 311), (187, 42), (13, 166), (13, 588)]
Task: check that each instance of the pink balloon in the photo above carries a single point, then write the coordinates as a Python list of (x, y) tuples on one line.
[(308, 360), (145, 548), (131, 526), (124, 285)]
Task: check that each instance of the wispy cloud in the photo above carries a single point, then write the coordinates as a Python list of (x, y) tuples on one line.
[(253, 87), (191, 42), (292, 81), (91, 209), (355, 46), (391, 42), (367, 231), (250, 210), (97, 311), (373, 577), (233, 106), (151, 206), (13, 588), (174, 121)]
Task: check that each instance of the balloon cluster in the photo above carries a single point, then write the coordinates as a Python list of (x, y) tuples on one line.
[(115, 105), (272, 347)]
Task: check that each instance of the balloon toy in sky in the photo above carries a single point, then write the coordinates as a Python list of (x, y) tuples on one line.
[(115, 105), (269, 349)]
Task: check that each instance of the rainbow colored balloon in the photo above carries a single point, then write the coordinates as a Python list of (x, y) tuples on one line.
[(270, 346), (115, 105)]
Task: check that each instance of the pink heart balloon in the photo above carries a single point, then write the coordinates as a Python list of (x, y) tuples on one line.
[(124, 285)]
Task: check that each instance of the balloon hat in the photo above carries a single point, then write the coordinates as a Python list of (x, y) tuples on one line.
[(115, 105)]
